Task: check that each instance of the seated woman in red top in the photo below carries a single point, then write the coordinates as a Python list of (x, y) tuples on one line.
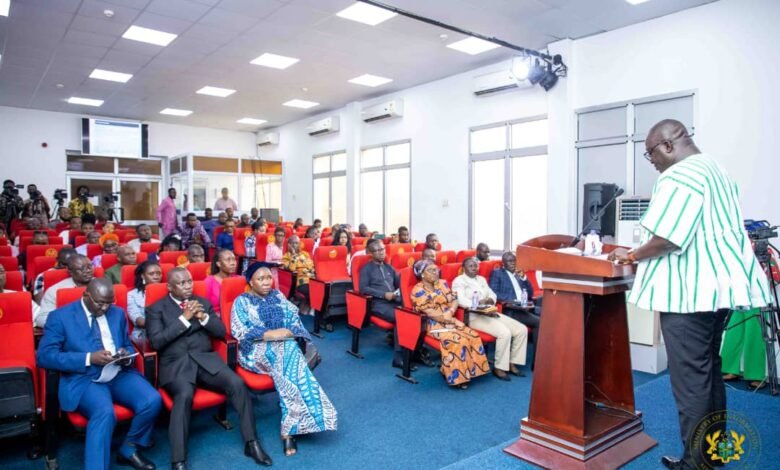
[(223, 266)]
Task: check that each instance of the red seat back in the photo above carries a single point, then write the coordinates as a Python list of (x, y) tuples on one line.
[(30, 233), (5, 250), (41, 264), (150, 247), (487, 267), (360, 241), (61, 226), (108, 260), (463, 254), (3, 241), (448, 272), (25, 242), (261, 244), (199, 271), (155, 292), (421, 246), (393, 249), (33, 251), (231, 288), (239, 239), (176, 258), (307, 245), (93, 249), (80, 240), (54, 276), (10, 263), (405, 260), (69, 295), (217, 230), (408, 281), (330, 263), (357, 264), (13, 281), (326, 241), (16, 329), (166, 268), (444, 257)]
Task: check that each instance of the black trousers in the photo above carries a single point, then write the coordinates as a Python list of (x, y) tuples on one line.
[(225, 381), (693, 350), (529, 319), (386, 311)]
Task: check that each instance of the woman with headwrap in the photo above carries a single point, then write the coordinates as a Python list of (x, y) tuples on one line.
[(462, 354), (266, 325)]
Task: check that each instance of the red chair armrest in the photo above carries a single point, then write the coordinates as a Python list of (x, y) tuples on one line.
[(227, 348), (146, 360), (409, 325), (358, 306), (317, 291)]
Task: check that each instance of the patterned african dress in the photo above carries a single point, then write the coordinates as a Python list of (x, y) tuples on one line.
[(305, 407), (462, 354), (301, 264)]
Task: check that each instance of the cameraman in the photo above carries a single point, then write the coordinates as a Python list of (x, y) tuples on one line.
[(11, 204), (80, 204), (37, 206)]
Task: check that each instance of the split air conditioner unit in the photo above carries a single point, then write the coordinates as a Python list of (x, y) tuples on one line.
[(268, 138), (323, 126), (629, 210), (495, 82), (386, 110)]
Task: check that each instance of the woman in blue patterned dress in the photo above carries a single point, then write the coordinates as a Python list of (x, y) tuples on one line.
[(266, 325)]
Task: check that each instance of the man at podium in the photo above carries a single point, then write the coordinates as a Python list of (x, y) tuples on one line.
[(695, 264)]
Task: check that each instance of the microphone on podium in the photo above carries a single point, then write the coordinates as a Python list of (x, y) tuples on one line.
[(619, 192)]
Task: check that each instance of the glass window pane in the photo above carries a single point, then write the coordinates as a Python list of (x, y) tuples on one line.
[(339, 200), (602, 124), (214, 189), (320, 204), (603, 164), (371, 194), (529, 198), (140, 166), (529, 134), (90, 163), (396, 154), (321, 164), (489, 140), (262, 192), (139, 199), (199, 190), (174, 166), (249, 192), (371, 158), (644, 172), (272, 191), (488, 203), (338, 162), (98, 188), (397, 198)]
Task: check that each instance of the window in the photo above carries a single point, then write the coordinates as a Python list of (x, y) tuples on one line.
[(329, 192), (261, 184), (508, 191), (385, 187)]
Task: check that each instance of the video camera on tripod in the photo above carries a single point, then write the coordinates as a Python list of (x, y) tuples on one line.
[(761, 231)]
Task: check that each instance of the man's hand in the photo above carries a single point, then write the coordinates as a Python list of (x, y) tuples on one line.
[(190, 309), (123, 352), (390, 296), (100, 358), (620, 256)]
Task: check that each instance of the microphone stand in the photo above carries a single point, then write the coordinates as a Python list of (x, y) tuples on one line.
[(599, 214)]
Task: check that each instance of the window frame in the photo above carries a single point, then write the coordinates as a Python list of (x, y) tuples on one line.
[(384, 168), (329, 175)]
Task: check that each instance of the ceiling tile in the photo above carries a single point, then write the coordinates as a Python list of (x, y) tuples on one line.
[(181, 9), (162, 23), (251, 8), (30, 12), (137, 4), (89, 39), (62, 6), (331, 6), (99, 26), (227, 20), (95, 8)]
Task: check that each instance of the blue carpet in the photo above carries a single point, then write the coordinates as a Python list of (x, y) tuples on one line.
[(387, 423)]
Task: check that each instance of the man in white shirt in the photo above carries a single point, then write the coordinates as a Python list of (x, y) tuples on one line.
[(92, 239), (81, 272), (75, 224), (35, 308), (144, 236)]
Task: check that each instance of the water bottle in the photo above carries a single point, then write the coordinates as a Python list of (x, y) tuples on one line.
[(523, 297), (475, 300)]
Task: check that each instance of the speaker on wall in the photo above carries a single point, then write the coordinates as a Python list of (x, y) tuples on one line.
[(596, 196)]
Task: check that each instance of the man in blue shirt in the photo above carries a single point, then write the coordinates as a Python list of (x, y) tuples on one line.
[(209, 222), (225, 239)]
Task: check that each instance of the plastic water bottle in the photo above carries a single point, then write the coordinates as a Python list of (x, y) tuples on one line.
[(475, 299), (523, 297)]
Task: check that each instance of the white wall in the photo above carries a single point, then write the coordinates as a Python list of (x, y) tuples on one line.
[(437, 118), (24, 160)]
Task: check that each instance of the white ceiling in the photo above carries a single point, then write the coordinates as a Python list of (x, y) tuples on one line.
[(44, 43)]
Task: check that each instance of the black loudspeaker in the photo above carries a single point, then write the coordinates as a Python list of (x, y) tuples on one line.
[(271, 215), (596, 196)]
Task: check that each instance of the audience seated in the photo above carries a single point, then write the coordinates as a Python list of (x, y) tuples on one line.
[(432, 242), (148, 272), (483, 252), (192, 232), (403, 235), (429, 254), (109, 243), (195, 254), (512, 285), (342, 237), (125, 256), (144, 233), (363, 231), (250, 243), (179, 327), (75, 224), (92, 238), (170, 243), (39, 238), (262, 320), (62, 263), (81, 272), (274, 252), (69, 347), (223, 266), (208, 222), (243, 221), (36, 310), (254, 215), (300, 263), (313, 232), (462, 353), (478, 301), (225, 239)]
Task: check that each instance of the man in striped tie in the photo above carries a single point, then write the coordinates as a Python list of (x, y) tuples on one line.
[(695, 264)]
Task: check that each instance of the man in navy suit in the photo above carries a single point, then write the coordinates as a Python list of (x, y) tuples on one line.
[(78, 340), (507, 283)]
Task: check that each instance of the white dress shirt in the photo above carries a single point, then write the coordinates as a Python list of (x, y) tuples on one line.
[(515, 285), (465, 287), (105, 331), (184, 320)]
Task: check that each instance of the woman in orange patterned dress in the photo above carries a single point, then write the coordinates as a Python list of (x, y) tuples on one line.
[(462, 354)]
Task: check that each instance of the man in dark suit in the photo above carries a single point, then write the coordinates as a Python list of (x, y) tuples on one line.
[(79, 340), (178, 327), (508, 284)]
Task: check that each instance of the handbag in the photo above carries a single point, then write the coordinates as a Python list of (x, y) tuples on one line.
[(310, 353)]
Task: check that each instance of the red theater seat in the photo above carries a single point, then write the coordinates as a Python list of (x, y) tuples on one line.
[(5, 250), (13, 281), (392, 249), (421, 246), (463, 254), (328, 289), (359, 307), (34, 251), (54, 276), (150, 247), (307, 245), (239, 239), (108, 260), (199, 271), (405, 260), (444, 257), (10, 263), (176, 258), (42, 264)]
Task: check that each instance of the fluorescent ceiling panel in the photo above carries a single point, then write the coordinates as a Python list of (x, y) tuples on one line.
[(274, 61), (84, 101), (472, 46), (176, 112), (216, 91), (110, 76), (251, 121), (303, 104), (637, 2), (366, 14), (150, 36), (370, 80)]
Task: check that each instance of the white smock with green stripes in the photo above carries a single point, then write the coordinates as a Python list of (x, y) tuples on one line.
[(695, 206)]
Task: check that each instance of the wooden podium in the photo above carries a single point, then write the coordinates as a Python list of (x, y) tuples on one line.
[(582, 411)]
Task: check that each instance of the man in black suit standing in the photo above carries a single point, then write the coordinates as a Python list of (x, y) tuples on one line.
[(178, 327)]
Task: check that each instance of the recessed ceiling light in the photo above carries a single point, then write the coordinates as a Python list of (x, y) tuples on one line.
[(110, 76), (151, 36), (472, 46), (5, 6), (60, 85), (274, 61), (637, 2), (303, 104), (84, 101), (366, 14), (251, 121), (176, 112), (215, 91), (370, 80)]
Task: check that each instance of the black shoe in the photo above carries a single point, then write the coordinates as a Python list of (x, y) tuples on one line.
[(179, 465), (516, 372), (290, 446), (501, 375), (671, 462), (253, 449), (400, 365), (424, 358), (137, 461)]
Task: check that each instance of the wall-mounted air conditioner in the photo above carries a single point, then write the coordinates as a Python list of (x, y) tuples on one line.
[(495, 82), (323, 126), (629, 210), (386, 110), (268, 138)]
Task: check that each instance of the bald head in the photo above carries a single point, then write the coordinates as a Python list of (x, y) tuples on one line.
[(667, 143), (99, 296), (100, 286)]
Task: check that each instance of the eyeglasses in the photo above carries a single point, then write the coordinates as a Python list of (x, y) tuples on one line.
[(649, 154)]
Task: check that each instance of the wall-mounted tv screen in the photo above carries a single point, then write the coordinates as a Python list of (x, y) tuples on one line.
[(114, 138)]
